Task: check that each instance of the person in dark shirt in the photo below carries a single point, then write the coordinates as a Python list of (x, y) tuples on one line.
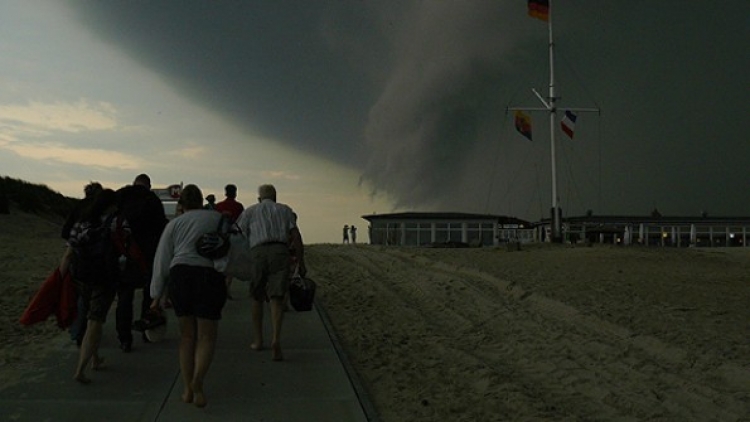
[(89, 192), (78, 329), (353, 231), (144, 212), (93, 269), (210, 202)]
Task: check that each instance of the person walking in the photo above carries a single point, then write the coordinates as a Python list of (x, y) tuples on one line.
[(78, 327), (230, 207), (210, 202), (346, 234), (272, 231), (93, 268), (89, 191), (144, 213), (232, 210), (197, 291)]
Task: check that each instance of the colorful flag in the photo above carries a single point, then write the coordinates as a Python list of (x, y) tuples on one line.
[(539, 9), (523, 124), (568, 123)]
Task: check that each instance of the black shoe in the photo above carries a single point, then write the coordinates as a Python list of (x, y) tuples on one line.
[(150, 320), (126, 346)]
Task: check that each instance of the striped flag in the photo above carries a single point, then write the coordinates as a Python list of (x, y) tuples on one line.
[(539, 9), (523, 123), (568, 123)]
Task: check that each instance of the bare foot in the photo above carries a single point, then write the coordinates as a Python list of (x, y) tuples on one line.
[(199, 399), (97, 363), (276, 352), (81, 379), (187, 396)]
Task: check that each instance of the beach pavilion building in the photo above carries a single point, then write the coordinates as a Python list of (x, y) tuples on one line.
[(446, 228), (460, 229), (655, 230)]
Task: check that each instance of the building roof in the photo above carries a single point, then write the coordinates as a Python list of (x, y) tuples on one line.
[(444, 216), (653, 220)]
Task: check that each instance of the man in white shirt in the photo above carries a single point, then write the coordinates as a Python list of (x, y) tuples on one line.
[(271, 229)]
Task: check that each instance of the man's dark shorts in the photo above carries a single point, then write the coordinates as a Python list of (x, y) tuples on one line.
[(197, 291), (269, 265)]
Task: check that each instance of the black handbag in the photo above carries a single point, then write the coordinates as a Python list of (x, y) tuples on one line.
[(301, 293), (215, 244)]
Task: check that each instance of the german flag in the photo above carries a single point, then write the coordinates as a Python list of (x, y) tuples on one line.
[(539, 9)]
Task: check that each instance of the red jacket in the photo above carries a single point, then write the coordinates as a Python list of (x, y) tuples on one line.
[(56, 296)]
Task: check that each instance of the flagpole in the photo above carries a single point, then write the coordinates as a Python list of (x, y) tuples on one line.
[(543, 10), (556, 224)]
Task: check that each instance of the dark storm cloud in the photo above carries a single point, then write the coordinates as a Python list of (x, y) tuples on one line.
[(276, 68), (414, 93)]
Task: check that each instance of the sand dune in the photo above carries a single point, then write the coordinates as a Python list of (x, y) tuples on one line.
[(545, 333)]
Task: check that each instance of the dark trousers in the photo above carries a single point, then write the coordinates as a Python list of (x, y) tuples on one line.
[(124, 313)]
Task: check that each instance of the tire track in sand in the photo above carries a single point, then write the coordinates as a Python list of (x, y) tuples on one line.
[(495, 341)]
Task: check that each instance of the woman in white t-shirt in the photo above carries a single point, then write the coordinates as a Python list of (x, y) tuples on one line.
[(197, 291)]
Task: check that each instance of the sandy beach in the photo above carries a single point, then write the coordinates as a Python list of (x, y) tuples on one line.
[(549, 332), (30, 248), (545, 333)]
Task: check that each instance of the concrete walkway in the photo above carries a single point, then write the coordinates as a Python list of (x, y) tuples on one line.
[(311, 384)]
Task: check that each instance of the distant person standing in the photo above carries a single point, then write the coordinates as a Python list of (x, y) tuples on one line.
[(272, 231), (346, 234), (353, 231), (232, 210), (144, 212), (210, 202)]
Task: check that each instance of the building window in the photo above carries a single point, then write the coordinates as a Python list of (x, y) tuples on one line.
[(488, 233), (456, 232), (425, 236), (441, 232)]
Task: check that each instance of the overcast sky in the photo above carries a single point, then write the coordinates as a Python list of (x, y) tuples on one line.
[(355, 107)]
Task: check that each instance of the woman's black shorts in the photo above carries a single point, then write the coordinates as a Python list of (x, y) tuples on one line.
[(197, 291)]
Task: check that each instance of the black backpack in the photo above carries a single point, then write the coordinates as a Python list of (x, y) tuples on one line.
[(92, 251), (134, 267)]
